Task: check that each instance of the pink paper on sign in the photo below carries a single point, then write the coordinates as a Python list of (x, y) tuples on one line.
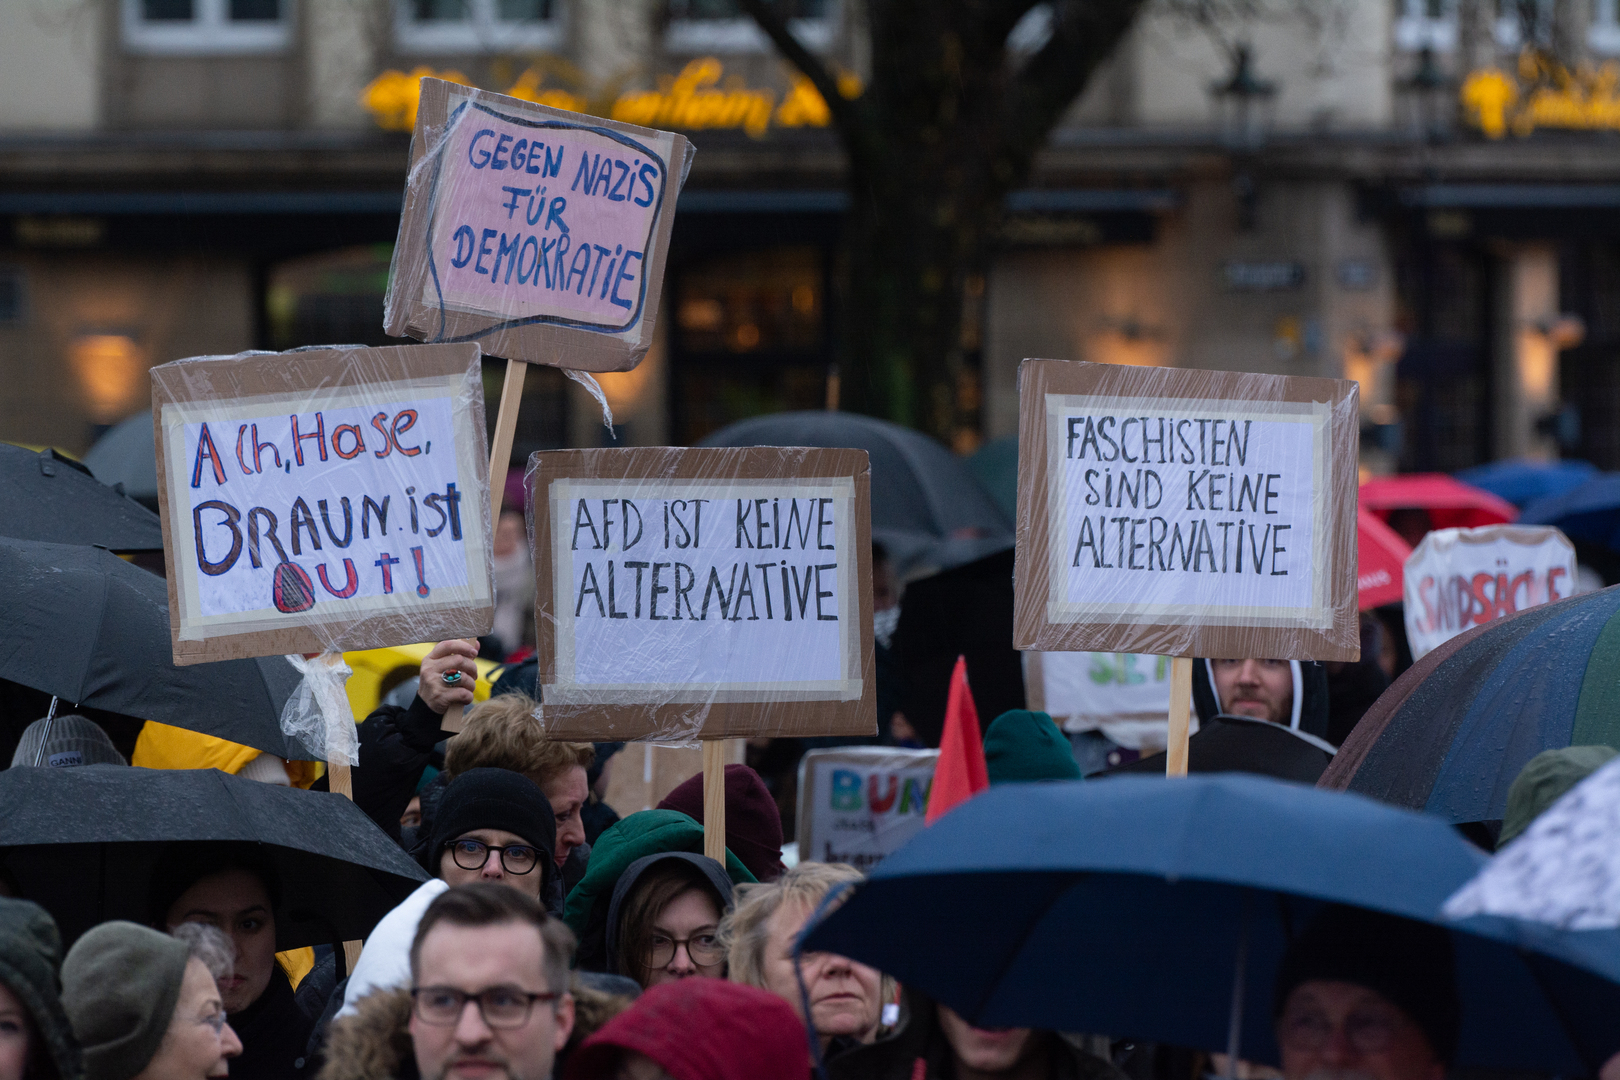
[(548, 221)]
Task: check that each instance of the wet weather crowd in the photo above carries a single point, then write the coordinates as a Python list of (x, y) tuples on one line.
[(555, 938)]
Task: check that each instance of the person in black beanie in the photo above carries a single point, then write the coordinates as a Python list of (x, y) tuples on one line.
[(1364, 993), (493, 825)]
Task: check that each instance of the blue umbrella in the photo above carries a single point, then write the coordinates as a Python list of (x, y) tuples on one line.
[(1521, 481), (1590, 512), (1161, 909)]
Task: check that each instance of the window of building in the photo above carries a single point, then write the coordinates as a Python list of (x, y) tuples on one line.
[(190, 27), (1603, 36), (477, 25), (1426, 24), (11, 294), (1519, 21), (721, 26)]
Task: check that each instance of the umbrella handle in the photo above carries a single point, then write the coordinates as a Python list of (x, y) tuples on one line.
[(1234, 1027)]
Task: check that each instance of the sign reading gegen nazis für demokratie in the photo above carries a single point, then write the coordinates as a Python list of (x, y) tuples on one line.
[(1186, 513)]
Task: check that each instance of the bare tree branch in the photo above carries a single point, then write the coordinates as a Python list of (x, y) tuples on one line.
[(846, 115), (1083, 36)]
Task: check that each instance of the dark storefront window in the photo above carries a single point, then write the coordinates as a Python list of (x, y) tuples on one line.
[(336, 297), (1589, 374), (1443, 390), (749, 337)]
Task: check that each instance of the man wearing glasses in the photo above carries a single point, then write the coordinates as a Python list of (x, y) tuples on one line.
[(489, 995), (1367, 995), (493, 827)]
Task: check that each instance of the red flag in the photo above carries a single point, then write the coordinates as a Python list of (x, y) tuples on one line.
[(960, 774)]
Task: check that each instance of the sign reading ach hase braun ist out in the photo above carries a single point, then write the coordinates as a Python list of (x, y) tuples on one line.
[(323, 500), (1186, 513), (712, 592), (539, 233)]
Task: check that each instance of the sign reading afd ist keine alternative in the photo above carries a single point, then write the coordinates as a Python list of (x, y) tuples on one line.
[(1186, 513), (712, 592), (323, 500), (537, 232)]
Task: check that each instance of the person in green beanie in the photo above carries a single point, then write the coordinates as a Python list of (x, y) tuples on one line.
[(36, 1042), (1022, 745), (145, 1006), (1544, 780)]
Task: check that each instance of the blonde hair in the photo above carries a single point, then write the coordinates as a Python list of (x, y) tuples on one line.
[(505, 733), (745, 932)]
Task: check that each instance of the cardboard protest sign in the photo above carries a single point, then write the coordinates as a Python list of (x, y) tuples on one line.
[(1123, 695), (703, 592), (539, 233), (1457, 579), (323, 500), (860, 803), (1186, 513)]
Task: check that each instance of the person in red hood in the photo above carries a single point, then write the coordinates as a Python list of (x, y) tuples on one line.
[(746, 1034), (753, 823)]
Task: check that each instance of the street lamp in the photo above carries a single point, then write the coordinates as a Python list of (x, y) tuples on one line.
[(1428, 95), (1244, 102)]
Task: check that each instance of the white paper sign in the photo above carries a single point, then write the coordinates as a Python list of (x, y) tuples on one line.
[(1210, 510), (700, 591), (1126, 696), (1457, 579), (860, 803)]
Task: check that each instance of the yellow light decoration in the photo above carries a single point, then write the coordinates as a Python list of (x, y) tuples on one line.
[(1546, 95), (109, 368), (392, 96)]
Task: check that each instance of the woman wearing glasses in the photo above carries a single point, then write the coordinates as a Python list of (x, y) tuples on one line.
[(664, 919)]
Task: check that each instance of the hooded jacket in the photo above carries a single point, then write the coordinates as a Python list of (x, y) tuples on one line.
[(713, 872), (374, 1043), (917, 1050), (1310, 712), (650, 832), (30, 967)]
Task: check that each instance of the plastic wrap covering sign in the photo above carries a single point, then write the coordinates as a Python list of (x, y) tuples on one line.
[(323, 500), (860, 803), (1186, 513), (1458, 579), (1123, 695), (539, 233), (705, 592)]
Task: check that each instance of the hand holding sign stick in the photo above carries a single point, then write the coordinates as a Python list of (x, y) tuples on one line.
[(1186, 513)]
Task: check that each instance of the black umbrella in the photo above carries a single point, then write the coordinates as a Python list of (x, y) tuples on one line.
[(84, 625), (50, 498), (1243, 744), (83, 842), (927, 509)]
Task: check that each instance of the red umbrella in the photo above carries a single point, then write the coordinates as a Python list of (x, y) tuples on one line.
[(1380, 554), (1450, 502)]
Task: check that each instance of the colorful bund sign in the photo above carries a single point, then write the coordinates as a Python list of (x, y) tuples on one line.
[(860, 803), (1186, 513), (540, 234), (1457, 579), (706, 592), (323, 500)]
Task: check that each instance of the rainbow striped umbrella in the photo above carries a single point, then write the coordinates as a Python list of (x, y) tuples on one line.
[(1450, 734)]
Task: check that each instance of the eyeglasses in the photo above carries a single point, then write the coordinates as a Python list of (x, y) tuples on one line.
[(704, 949), (473, 854), (1368, 1033), (500, 1006), (214, 1020)]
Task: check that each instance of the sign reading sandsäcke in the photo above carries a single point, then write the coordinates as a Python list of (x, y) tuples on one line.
[(712, 592), (326, 499), (1458, 579), (1186, 513)]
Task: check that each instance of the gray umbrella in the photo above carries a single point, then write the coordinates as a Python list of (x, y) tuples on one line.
[(84, 625), (49, 498), (927, 509), (127, 454), (84, 843)]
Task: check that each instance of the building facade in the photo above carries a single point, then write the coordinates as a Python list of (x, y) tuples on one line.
[(1423, 195)]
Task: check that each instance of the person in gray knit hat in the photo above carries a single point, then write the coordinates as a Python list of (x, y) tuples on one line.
[(36, 1042), (73, 740), (145, 1006)]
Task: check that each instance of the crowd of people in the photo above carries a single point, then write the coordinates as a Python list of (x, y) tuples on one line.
[(543, 946)]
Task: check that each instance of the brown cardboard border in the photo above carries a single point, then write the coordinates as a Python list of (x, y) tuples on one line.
[(222, 378), (1037, 378), (722, 720), (558, 346)]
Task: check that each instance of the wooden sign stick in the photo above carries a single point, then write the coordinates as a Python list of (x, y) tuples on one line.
[(500, 456), (1175, 752), (714, 800)]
